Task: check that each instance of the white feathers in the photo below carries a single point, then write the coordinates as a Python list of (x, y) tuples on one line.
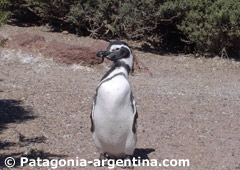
[(113, 118), (114, 110)]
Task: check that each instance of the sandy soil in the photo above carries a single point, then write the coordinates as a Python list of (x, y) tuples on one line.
[(188, 109)]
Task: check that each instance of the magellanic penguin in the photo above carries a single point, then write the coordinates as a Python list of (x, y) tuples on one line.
[(114, 114)]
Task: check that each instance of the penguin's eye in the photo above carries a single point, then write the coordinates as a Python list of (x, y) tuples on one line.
[(116, 49)]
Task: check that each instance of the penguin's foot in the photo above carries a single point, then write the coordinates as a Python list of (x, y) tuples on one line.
[(129, 165), (103, 158)]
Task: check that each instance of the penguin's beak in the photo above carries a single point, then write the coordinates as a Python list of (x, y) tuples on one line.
[(103, 54)]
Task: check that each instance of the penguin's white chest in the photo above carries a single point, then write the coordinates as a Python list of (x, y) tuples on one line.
[(113, 118)]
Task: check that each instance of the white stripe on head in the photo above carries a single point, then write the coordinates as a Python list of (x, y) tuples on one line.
[(117, 47)]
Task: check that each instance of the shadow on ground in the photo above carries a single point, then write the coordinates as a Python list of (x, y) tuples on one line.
[(142, 154), (32, 154), (14, 112)]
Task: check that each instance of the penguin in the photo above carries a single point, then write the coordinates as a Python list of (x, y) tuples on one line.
[(114, 114)]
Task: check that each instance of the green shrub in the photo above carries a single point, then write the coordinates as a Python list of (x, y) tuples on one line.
[(211, 26), (214, 25), (49, 10), (4, 13), (137, 19), (131, 19), (54, 12)]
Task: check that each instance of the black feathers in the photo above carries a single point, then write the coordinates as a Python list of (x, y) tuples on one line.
[(115, 66), (118, 42)]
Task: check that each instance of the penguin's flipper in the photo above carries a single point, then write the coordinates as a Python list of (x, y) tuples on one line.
[(91, 118), (135, 112)]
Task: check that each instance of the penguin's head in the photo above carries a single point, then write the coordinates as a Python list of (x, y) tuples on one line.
[(118, 51)]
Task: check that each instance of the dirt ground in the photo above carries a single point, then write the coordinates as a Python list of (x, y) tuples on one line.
[(188, 109)]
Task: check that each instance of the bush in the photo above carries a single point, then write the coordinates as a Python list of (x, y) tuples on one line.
[(41, 11), (4, 13), (214, 25), (210, 26), (131, 19)]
